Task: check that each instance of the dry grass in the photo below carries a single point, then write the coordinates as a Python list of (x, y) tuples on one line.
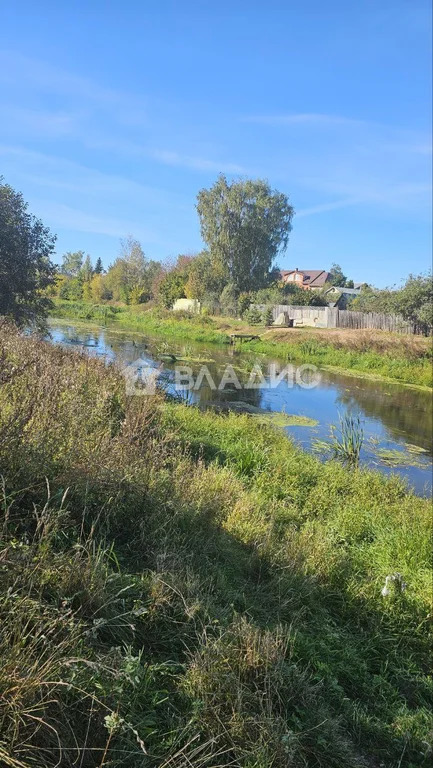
[(408, 346)]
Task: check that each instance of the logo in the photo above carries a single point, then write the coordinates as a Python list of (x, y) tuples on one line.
[(141, 378)]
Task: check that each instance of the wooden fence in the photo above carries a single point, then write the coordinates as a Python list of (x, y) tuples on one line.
[(311, 316), (332, 317), (375, 320)]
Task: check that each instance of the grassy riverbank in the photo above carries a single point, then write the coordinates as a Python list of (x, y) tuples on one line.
[(184, 589), (406, 359), (195, 328)]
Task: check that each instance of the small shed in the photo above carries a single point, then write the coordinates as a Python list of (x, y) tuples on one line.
[(187, 305), (341, 297)]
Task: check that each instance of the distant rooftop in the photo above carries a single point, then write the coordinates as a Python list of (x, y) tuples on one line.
[(314, 278), (352, 291)]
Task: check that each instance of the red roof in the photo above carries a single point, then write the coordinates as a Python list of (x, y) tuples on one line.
[(315, 278)]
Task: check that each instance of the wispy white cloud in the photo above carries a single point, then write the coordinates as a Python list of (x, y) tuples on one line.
[(375, 189), (16, 69), (195, 163), (303, 118), (58, 184), (61, 173), (393, 137), (324, 207), (163, 156), (96, 116), (409, 146), (353, 163), (68, 217), (330, 161), (38, 123)]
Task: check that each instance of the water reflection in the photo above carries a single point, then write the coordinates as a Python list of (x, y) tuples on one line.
[(393, 416), (400, 409)]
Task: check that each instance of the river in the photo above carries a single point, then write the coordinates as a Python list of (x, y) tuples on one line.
[(396, 420)]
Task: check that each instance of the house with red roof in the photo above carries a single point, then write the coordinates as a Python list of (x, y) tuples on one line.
[(307, 279)]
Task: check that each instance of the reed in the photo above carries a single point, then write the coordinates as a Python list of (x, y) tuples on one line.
[(347, 439)]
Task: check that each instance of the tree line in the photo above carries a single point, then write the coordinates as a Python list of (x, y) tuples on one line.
[(245, 226), (413, 301)]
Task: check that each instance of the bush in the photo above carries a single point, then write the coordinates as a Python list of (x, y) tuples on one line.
[(244, 302), (268, 316), (229, 301), (171, 288), (253, 316), (183, 314), (211, 303), (413, 301)]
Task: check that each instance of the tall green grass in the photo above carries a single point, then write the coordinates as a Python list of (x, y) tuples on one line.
[(179, 325), (347, 439), (385, 365), (184, 589)]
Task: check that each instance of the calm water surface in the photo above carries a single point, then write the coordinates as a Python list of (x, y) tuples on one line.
[(393, 417)]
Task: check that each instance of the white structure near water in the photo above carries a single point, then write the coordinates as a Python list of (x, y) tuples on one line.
[(187, 305)]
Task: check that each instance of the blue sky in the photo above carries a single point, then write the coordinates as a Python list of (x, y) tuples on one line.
[(114, 115)]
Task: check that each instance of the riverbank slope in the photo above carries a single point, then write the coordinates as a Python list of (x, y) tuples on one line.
[(184, 588)]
